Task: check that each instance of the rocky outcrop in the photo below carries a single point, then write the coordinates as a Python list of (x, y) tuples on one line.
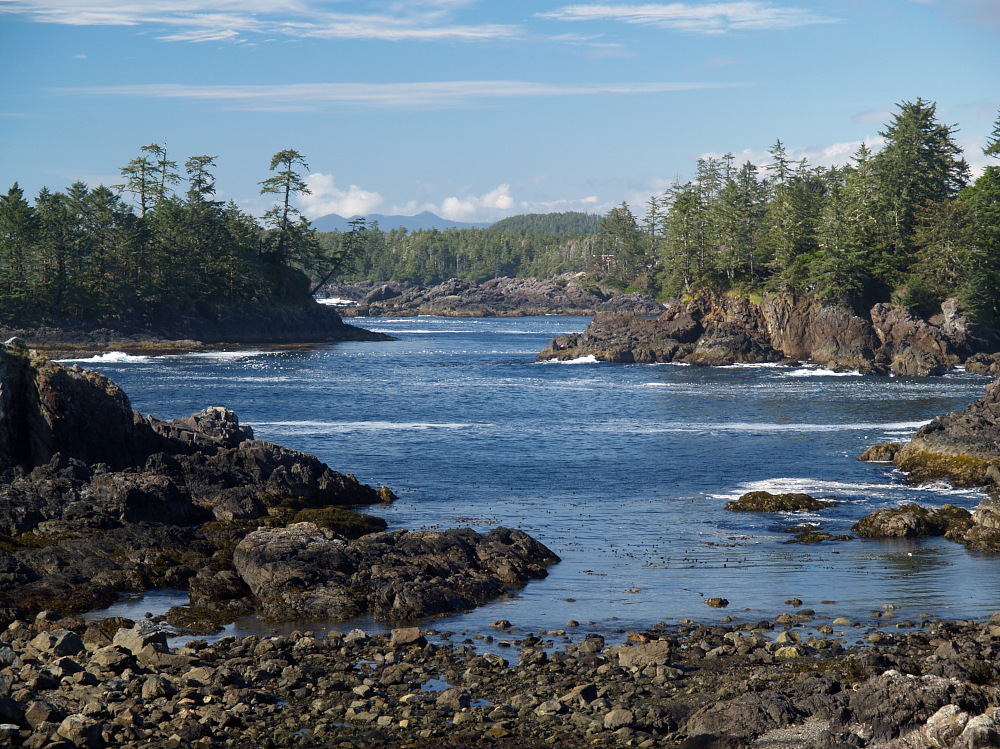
[(962, 446), (304, 571), (720, 329), (761, 501), (914, 521), (499, 297), (96, 499), (178, 330)]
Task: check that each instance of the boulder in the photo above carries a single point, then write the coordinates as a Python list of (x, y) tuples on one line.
[(914, 521), (762, 501), (305, 571)]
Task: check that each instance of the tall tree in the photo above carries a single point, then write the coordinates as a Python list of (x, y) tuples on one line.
[(18, 232), (288, 238), (920, 164), (992, 147)]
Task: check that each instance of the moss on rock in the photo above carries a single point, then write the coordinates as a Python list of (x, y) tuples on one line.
[(761, 501)]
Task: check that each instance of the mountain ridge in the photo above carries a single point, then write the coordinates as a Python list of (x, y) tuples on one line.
[(423, 220)]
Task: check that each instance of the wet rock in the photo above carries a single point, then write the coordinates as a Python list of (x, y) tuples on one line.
[(914, 521), (762, 501), (304, 571), (880, 453), (717, 603)]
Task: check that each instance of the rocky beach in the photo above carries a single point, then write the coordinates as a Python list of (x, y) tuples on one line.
[(100, 501)]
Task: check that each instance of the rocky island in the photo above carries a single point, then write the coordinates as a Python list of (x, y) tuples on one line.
[(724, 329), (570, 294), (175, 331)]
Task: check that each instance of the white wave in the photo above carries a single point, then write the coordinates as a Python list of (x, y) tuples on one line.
[(806, 485), (343, 427), (589, 359), (110, 357), (742, 427), (821, 372), (227, 355), (334, 301)]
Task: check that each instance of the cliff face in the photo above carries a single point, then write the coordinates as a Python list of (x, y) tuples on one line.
[(721, 329)]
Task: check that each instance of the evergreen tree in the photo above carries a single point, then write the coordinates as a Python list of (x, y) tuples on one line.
[(18, 233), (920, 164)]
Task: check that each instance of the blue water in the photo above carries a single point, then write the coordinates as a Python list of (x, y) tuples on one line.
[(623, 470)]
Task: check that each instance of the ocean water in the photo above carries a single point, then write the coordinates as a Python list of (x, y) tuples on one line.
[(622, 470)]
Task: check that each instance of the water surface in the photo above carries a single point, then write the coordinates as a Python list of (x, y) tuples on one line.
[(623, 470)]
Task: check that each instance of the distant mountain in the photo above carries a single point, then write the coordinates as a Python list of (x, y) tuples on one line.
[(425, 220)]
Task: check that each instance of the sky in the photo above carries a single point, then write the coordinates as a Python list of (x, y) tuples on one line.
[(476, 109)]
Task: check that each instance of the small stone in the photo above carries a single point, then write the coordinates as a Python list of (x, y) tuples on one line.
[(717, 603), (501, 624)]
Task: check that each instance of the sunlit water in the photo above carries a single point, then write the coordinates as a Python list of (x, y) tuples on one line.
[(623, 470)]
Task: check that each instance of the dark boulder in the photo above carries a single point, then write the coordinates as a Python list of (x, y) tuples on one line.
[(914, 521), (305, 571), (761, 501)]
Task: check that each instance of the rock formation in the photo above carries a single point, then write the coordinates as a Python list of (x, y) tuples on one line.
[(961, 447), (499, 297), (96, 499), (720, 329)]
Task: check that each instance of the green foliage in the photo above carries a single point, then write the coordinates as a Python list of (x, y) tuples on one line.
[(518, 246), (86, 253)]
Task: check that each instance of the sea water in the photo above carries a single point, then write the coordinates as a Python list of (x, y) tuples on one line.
[(623, 470)]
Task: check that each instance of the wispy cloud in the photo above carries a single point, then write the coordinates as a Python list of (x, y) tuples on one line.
[(311, 96), (231, 20), (707, 18)]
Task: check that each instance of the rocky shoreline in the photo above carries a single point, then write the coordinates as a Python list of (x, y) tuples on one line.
[(499, 297), (796, 682), (170, 333), (97, 500), (721, 329)]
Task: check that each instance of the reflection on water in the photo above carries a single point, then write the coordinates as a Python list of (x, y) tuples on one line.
[(623, 470)]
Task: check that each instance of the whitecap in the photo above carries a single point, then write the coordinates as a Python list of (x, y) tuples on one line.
[(589, 359), (334, 301), (821, 372), (227, 355), (110, 357), (343, 427)]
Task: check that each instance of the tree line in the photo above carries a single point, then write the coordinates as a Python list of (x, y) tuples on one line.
[(90, 253), (532, 245), (905, 223)]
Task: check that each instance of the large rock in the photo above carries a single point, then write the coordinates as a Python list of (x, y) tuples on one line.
[(720, 329), (305, 571), (961, 446)]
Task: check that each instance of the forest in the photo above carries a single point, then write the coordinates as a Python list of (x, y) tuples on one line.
[(91, 253), (905, 223)]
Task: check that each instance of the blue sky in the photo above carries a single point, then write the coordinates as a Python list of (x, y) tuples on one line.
[(476, 109)]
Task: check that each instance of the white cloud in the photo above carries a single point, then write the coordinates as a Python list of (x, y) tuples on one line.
[(326, 197), (707, 18), (231, 20), (495, 205), (303, 96), (835, 154)]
